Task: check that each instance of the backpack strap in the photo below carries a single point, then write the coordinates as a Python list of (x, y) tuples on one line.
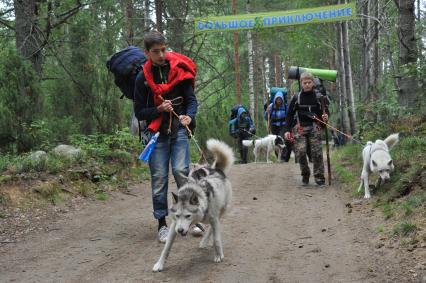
[(318, 96)]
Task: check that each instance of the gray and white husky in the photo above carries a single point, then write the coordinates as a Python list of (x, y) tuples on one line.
[(204, 198), (376, 159)]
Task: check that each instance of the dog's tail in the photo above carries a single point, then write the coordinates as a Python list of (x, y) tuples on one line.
[(392, 140), (223, 154), (248, 143)]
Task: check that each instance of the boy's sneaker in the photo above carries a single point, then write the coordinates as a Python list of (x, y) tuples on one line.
[(162, 234), (305, 180), (320, 183), (196, 231)]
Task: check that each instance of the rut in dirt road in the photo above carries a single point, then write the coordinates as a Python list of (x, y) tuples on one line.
[(277, 231)]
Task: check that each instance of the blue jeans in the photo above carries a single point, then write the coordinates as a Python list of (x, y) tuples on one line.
[(174, 151)]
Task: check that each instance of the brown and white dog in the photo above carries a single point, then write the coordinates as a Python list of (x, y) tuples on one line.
[(270, 143)]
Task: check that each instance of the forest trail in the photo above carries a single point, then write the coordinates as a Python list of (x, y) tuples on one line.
[(277, 231)]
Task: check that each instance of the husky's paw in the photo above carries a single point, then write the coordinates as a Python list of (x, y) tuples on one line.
[(203, 245), (367, 196), (218, 258), (158, 267)]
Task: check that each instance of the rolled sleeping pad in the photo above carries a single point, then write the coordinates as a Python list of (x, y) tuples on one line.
[(324, 74)]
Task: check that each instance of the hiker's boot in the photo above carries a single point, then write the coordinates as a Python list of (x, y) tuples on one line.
[(305, 180)]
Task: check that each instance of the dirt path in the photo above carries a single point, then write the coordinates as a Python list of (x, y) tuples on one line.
[(277, 231)]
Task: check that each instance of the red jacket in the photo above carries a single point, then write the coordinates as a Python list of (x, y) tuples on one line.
[(181, 68)]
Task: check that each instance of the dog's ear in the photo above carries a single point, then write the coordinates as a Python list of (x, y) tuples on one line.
[(194, 199), (390, 163), (175, 197), (374, 163)]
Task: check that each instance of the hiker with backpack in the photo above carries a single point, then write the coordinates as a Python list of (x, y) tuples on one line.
[(305, 107), (275, 114), (166, 85), (242, 128)]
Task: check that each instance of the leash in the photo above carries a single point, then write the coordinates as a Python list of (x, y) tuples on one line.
[(251, 134), (333, 128), (191, 135), (202, 157)]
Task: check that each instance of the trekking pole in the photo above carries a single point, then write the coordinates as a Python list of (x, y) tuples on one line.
[(326, 144), (269, 120)]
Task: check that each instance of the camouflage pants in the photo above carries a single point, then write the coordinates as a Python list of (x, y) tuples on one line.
[(312, 136)]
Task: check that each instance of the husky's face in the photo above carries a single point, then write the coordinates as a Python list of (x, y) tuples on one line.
[(383, 168), (279, 141), (185, 211)]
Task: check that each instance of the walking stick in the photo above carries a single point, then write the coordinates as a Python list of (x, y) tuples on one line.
[(326, 143), (269, 120)]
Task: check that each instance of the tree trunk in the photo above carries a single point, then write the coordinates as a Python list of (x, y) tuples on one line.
[(287, 65), (258, 75), (236, 58), (348, 78), (178, 12), (146, 18), (374, 55), (251, 68), (264, 80), (365, 72), (28, 35), (407, 53), (250, 65), (277, 69), (271, 70), (127, 6), (374, 49), (159, 14), (342, 80)]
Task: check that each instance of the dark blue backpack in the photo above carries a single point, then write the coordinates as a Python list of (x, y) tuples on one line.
[(125, 65), (274, 91)]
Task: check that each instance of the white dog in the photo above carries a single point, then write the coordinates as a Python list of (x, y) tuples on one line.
[(204, 198), (376, 159), (269, 143)]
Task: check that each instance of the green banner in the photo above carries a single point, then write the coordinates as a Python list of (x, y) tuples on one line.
[(277, 19)]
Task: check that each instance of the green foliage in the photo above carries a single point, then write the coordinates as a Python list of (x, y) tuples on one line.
[(388, 210), (347, 164), (404, 229), (101, 194), (403, 196), (19, 101), (3, 200), (6, 160), (345, 175), (118, 146), (380, 229), (40, 133), (412, 203), (50, 191), (84, 188)]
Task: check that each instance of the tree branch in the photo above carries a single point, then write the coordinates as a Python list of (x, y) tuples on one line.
[(68, 14), (7, 24), (6, 12)]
